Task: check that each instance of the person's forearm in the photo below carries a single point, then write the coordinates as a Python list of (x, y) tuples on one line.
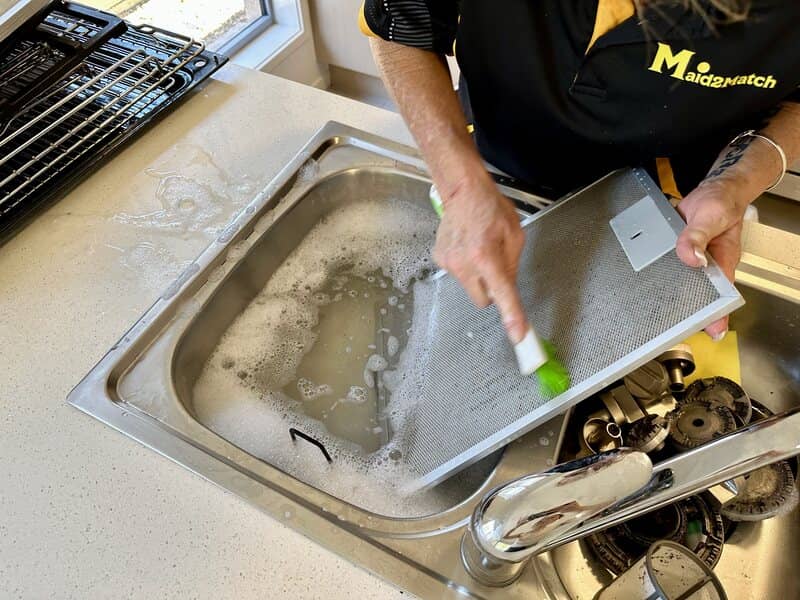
[(481, 242), (421, 86), (714, 210), (752, 165)]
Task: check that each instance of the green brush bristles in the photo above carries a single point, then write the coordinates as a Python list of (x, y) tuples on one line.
[(552, 375)]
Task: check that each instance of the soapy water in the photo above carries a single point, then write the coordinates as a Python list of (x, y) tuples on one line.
[(324, 348), (196, 197), (178, 208), (347, 356), (189, 205), (308, 172), (392, 345)]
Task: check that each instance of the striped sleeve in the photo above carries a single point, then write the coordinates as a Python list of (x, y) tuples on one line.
[(426, 24)]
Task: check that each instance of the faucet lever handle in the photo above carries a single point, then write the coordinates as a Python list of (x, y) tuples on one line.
[(518, 518), (523, 513)]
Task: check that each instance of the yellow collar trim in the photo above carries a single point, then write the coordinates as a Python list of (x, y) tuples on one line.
[(610, 13)]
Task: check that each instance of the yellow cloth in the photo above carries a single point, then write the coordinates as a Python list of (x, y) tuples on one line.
[(715, 358), (666, 178), (610, 13)]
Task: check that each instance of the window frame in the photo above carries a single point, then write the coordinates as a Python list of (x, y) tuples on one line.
[(249, 32)]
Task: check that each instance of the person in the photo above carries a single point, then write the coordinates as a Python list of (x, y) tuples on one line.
[(702, 93)]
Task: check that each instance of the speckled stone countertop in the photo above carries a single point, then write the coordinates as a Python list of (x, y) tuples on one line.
[(86, 512)]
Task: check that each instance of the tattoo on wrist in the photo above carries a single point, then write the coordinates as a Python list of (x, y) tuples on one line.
[(734, 154)]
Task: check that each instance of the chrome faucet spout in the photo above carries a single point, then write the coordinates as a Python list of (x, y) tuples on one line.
[(515, 519), (539, 512)]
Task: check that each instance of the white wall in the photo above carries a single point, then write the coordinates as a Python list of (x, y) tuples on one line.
[(327, 36), (338, 40), (301, 65), (287, 47)]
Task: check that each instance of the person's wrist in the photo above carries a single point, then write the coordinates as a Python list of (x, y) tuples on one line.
[(755, 173), (469, 186), (740, 194), (771, 158)]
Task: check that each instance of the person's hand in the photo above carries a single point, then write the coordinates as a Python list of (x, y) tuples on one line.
[(714, 214), (479, 242)]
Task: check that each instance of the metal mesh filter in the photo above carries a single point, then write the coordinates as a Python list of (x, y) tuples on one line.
[(581, 293)]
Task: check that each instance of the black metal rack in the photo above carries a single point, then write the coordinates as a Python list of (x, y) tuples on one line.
[(77, 84), (47, 47)]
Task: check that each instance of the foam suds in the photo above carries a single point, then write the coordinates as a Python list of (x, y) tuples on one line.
[(194, 197), (320, 347), (392, 345), (375, 364)]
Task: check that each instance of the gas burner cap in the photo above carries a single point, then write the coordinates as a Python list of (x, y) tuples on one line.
[(696, 423), (720, 391), (694, 522), (600, 435), (764, 493), (648, 434), (648, 381), (667, 523), (761, 412)]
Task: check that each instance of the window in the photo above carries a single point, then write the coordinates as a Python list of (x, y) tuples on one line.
[(224, 25)]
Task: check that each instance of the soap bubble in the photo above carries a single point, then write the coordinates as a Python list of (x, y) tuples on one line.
[(241, 393)]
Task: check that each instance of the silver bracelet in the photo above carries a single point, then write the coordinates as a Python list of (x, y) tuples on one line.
[(784, 162)]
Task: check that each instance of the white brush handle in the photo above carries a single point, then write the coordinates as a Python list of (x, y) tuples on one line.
[(530, 352)]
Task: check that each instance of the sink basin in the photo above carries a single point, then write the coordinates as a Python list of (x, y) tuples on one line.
[(146, 387), (361, 472)]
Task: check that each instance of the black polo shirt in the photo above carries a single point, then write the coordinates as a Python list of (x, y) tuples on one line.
[(550, 113)]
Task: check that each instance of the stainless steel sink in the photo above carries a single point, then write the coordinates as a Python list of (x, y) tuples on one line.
[(759, 558), (144, 388), (251, 273)]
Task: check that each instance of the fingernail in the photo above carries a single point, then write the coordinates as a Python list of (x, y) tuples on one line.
[(701, 257), (720, 336)]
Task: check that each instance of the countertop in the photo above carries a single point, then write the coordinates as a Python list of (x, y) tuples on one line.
[(86, 512)]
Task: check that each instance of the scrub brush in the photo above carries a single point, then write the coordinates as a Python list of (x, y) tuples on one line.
[(534, 354)]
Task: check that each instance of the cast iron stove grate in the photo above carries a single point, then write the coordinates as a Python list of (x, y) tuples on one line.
[(97, 82)]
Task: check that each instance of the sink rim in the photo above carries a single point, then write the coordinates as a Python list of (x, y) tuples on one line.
[(167, 321)]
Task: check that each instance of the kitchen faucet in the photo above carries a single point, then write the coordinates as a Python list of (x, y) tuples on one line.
[(538, 512)]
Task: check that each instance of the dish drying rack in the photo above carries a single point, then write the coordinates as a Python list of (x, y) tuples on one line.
[(76, 84)]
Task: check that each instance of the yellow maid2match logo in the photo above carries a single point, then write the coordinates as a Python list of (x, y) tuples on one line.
[(679, 66)]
